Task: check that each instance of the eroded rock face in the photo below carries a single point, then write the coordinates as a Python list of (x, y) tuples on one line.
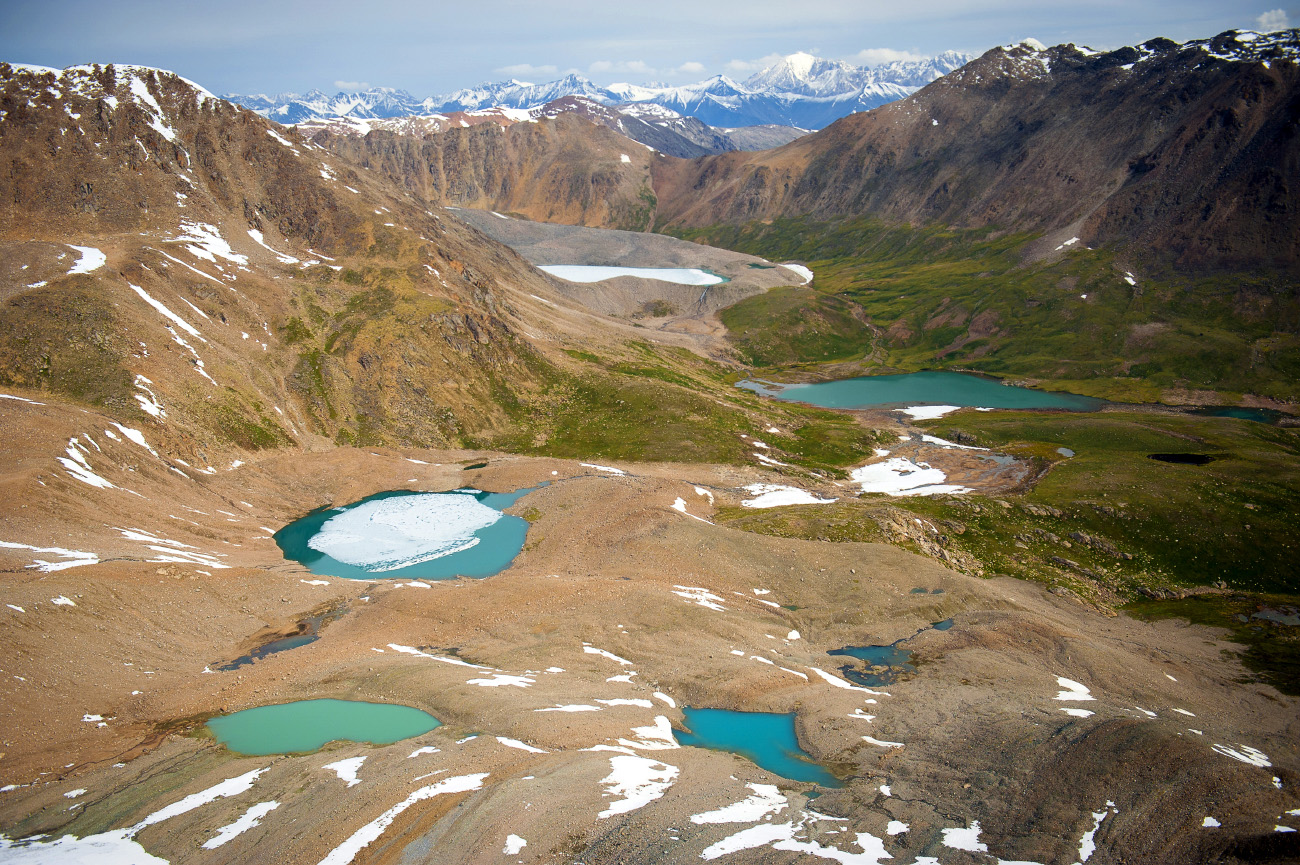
[(1180, 149)]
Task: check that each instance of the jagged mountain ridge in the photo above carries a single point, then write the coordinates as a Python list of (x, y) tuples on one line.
[(244, 288), (658, 128), (799, 91), (1189, 151)]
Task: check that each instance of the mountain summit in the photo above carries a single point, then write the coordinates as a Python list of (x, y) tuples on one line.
[(798, 90)]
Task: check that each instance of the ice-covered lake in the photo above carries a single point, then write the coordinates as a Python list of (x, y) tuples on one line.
[(405, 534), (598, 273)]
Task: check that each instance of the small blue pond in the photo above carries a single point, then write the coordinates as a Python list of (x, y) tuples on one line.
[(408, 534), (306, 725), (898, 660), (923, 388), (767, 739)]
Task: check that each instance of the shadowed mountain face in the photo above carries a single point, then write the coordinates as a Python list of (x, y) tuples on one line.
[(1188, 151)]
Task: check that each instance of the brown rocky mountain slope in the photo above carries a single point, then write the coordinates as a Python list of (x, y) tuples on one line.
[(1190, 151)]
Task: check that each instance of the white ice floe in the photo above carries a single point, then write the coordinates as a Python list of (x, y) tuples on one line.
[(599, 273), (679, 505), (513, 845), (503, 680), (776, 495), (388, 534), (91, 259), (638, 780), (347, 769), (1245, 754), (928, 412), (359, 840), (965, 839), (610, 469), (766, 799), (1073, 690), (520, 746), (701, 597), (250, 819), (802, 272), (72, 558), (592, 650), (902, 477), (654, 737)]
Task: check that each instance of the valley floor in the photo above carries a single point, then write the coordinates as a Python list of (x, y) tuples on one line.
[(1034, 729)]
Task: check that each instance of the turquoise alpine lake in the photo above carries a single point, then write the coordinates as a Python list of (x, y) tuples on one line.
[(307, 725), (405, 534), (922, 388), (766, 739)]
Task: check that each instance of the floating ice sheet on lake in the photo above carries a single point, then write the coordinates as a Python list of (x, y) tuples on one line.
[(598, 273), (928, 412), (393, 533)]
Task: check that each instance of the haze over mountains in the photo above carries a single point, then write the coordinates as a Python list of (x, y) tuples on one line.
[(800, 90)]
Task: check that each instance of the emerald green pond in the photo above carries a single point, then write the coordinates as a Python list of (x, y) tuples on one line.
[(407, 534), (922, 388), (767, 739), (307, 725)]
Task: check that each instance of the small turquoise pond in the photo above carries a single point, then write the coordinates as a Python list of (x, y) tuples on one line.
[(765, 738), (291, 728), (407, 534), (922, 388)]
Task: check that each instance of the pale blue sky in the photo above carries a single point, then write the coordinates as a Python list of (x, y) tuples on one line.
[(434, 47)]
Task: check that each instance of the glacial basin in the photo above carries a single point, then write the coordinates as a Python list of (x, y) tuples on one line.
[(406, 534), (307, 725), (922, 388), (766, 739), (599, 273)]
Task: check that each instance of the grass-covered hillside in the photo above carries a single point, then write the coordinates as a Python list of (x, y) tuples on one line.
[(1085, 320)]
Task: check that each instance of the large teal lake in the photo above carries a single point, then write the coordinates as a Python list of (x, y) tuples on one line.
[(291, 728), (923, 388), (767, 739), (405, 534)]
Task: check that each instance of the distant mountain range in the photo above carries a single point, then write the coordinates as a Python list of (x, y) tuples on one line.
[(800, 91)]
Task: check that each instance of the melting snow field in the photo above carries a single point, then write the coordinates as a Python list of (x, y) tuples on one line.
[(398, 532), (599, 273), (902, 477), (638, 780), (776, 495)]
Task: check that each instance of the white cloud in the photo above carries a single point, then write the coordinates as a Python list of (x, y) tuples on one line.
[(877, 56), (352, 85), (743, 67), (690, 68), (528, 70), (621, 67), (1274, 19)]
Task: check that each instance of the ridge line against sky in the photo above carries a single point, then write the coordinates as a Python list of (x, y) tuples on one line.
[(428, 48)]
